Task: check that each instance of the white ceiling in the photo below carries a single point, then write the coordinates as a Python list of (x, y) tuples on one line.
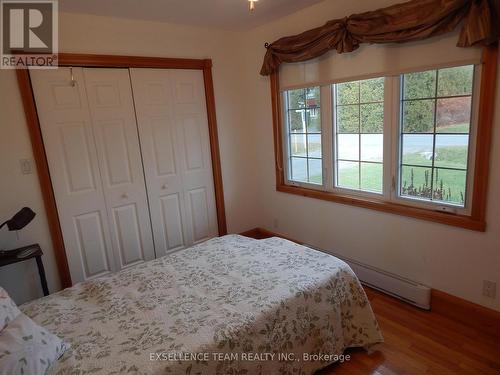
[(223, 14)]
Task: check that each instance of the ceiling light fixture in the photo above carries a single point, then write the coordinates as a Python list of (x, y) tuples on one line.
[(252, 4)]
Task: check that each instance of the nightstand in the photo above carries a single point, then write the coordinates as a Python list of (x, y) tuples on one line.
[(12, 256)]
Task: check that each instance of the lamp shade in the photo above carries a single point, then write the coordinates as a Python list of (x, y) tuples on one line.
[(20, 219)]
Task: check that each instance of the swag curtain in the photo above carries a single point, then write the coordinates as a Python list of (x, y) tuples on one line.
[(411, 21)]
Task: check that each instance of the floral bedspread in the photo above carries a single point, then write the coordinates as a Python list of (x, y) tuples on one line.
[(231, 305)]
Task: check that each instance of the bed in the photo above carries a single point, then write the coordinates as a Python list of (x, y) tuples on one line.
[(230, 305)]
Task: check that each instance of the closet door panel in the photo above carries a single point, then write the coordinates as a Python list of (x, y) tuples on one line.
[(76, 157), (113, 117), (172, 221), (189, 108), (128, 234), (116, 152), (173, 129), (161, 154), (163, 147), (199, 211), (71, 154), (91, 243)]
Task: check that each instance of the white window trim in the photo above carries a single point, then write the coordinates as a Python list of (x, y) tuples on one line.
[(386, 128), (436, 205), (391, 158), (286, 148)]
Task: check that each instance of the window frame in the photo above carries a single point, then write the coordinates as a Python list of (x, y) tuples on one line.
[(473, 218), (286, 141), (386, 163), (471, 157)]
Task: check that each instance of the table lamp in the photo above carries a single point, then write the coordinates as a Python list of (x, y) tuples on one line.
[(18, 221)]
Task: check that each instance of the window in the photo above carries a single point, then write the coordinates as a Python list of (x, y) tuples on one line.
[(435, 124), (304, 135), (359, 128), (406, 139)]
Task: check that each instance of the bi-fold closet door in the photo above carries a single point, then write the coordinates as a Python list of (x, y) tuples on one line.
[(173, 126), (93, 145)]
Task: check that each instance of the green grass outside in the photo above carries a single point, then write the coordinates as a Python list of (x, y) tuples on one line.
[(454, 182), (454, 128), (371, 177), (447, 157), (317, 179)]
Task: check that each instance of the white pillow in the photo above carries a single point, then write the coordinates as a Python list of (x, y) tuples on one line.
[(8, 309), (28, 349)]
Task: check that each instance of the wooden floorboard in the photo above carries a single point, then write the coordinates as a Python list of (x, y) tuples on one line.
[(458, 337), (421, 342)]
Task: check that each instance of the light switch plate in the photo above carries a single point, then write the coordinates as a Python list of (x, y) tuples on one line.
[(26, 167)]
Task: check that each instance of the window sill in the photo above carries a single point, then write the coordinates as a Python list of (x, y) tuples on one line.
[(461, 221)]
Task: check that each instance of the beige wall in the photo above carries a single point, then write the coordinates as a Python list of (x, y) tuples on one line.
[(91, 34), (18, 190), (450, 259), (446, 258)]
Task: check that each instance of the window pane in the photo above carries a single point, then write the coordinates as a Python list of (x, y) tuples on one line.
[(299, 169), (418, 149), (371, 177), (360, 126), (348, 93), (313, 120), (419, 85), (372, 90), (418, 116), (455, 81), (449, 186), (315, 171), (304, 142), (348, 146), (314, 145), (297, 121), (453, 115), (372, 147), (451, 151), (435, 165), (348, 119), (313, 97), (416, 182), (296, 99), (372, 118), (298, 145), (348, 174)]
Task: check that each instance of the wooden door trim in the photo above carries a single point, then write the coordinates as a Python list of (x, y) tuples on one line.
[(214, 148), (112, 61), (115, 61), (42, 168)]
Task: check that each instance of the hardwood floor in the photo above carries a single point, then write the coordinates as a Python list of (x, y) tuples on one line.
[(421, 342), (461, 338)]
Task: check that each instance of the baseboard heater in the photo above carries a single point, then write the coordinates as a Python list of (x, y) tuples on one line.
[(406, 290)]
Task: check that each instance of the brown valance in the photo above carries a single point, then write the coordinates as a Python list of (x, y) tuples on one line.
[(410, 21)]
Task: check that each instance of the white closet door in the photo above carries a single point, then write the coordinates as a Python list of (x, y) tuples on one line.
[(173, 130), (115, 130), (74, 169)]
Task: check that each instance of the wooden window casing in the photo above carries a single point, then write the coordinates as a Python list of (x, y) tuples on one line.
[(476, 220)]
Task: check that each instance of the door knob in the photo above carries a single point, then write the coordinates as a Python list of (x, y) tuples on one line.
[(124, 195), (164, 186)]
